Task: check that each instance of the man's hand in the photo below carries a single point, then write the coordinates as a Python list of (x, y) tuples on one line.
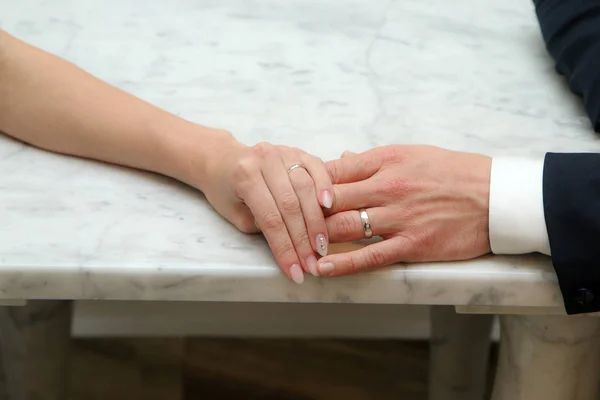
[(427, 203)]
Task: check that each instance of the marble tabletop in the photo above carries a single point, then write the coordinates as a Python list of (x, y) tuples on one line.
[(326, 76)]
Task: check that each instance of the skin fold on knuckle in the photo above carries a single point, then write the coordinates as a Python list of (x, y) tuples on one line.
[(246, 170), (345, 225), (335, 171), (302, 241), (305, 187), (315, 223), (425, 241), (340, 202), (285, 254), (321, 173), (290, 204), (264, 149), (392, 153), (393, 187), (246, 224), (376, 258), (349, 265), (416, 246), (271, 222)]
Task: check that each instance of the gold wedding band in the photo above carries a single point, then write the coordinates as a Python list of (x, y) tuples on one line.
[(366, 223), (293, 167)]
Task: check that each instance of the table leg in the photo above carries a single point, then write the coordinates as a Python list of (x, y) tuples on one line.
[(459, 354), (34, 342), (550, 358)]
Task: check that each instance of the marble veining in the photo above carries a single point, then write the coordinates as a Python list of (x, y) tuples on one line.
[(547, 357), (325, 76)]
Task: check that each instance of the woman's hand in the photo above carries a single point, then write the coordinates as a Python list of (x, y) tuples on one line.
[(427, 203), (257, 189), (63, 109)]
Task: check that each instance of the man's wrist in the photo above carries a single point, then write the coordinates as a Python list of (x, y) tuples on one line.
[(516, 215)]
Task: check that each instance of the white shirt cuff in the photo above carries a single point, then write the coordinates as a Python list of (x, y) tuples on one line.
[(516, 219)]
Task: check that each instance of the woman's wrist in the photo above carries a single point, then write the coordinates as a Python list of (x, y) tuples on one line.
[(192, 152)]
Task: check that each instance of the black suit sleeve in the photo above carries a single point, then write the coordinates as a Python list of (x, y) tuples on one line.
[(571, 187), (571, 31), (571, 183)]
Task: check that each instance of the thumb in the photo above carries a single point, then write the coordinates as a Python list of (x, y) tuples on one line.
[(367, 258)]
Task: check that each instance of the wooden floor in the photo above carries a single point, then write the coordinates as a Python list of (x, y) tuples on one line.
[(226, 369)]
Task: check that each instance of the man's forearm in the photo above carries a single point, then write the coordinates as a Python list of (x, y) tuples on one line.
[(52, 104)]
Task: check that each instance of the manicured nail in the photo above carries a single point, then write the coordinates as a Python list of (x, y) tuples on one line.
[(326, 198), (296, 273), (311, 261), (326, 268), (321, 245)]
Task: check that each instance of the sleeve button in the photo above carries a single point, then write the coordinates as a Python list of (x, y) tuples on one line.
[(583, 297)]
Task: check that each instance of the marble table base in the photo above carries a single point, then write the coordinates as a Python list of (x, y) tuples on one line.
[(459, 355), (34, 342), (548, 357)]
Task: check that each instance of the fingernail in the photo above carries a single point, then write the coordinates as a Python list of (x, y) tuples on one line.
[(326, 268), (321, 245), (326, 199), (296, 273), (311, 261)]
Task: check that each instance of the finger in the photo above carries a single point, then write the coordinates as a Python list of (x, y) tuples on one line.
[(347, 226), (304, 187), (242, 218), (259, 200), (369, 257), (352, 196), (278, 182), (322, 181), (347, 153), (353, 168)]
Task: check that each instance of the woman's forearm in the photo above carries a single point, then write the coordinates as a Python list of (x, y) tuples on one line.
[(54, 105)]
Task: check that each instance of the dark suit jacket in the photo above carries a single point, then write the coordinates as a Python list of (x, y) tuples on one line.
[(571, 183)]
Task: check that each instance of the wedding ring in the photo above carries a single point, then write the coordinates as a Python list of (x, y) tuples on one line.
[(366, 223), (293, 167)]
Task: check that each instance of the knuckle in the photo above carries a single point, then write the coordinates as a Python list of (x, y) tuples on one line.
[(393, 186), (245, 170), (334, 170), (289, 203), (246, 225), (342, 203), (351, 265), (390, 154), (315, 221), (271, 222), (418, 245), (302, 240), (346, 224), (304, 185), (285, 252), (264, 149), (376, 257), (314, 159), (424, 241)]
